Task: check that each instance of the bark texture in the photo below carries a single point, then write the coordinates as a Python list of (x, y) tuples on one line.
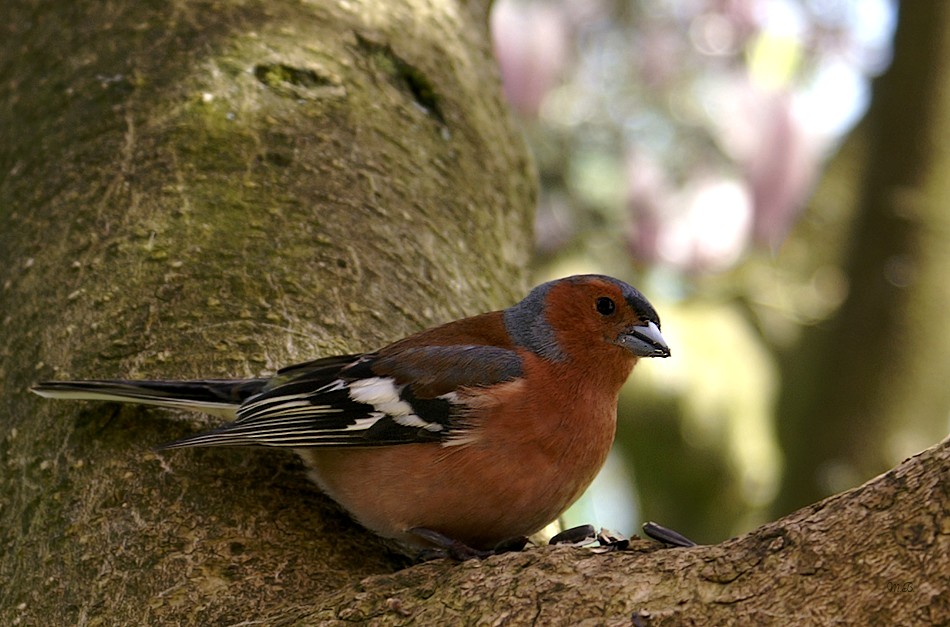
[(876, 555), (218, 189)]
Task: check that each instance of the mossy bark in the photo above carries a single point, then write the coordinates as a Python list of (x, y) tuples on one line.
[(218, 189)]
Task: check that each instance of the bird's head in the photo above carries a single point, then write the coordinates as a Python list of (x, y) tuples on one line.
[(586, 316)]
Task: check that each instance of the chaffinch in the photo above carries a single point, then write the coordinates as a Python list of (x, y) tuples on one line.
[(464, 435)]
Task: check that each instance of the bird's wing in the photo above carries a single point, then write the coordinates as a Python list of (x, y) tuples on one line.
[(375, 399)]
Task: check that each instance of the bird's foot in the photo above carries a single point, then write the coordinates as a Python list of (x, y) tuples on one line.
[(451, 548)]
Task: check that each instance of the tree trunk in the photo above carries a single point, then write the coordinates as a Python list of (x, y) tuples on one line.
[(219, 189)]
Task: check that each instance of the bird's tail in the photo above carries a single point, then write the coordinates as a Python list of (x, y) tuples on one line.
[(213, 396)]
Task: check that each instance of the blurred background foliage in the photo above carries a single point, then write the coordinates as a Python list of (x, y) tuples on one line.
[(772, 174)]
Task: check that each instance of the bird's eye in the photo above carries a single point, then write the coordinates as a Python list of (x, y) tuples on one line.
[(605, 306)]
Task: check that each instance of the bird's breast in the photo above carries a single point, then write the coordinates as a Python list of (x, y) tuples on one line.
[(524, 461)]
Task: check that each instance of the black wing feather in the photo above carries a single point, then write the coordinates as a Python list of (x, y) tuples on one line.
[(365, 400)]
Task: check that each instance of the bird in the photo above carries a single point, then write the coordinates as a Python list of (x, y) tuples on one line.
[(457, 438)]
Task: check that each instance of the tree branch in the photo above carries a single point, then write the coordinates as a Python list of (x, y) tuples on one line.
[(877, 553)]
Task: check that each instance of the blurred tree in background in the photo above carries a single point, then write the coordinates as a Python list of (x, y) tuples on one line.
[(707, 152)]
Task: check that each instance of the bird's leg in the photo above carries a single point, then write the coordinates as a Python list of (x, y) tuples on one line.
[(459, 551), (448, 547)]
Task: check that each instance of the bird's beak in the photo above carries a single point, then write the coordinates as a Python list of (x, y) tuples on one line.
[(644, 341)]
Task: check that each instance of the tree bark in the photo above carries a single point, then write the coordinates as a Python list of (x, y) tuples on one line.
[(218, 189), (877, 554)]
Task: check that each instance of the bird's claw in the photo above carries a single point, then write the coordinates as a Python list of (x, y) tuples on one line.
[(445, 546)]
